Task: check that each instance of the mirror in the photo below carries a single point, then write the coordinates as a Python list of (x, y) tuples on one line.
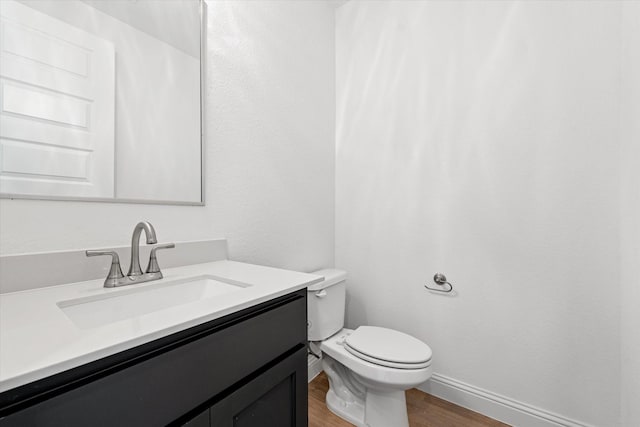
[(100, 100)]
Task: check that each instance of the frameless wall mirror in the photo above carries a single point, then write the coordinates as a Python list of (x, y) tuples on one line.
[(100, 100)]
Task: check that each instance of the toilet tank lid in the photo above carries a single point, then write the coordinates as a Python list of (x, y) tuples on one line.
[(331, 277)]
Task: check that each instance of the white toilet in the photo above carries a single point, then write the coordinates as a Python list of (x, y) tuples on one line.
[(369, 368)]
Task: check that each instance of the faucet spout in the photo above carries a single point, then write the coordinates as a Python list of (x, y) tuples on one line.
[(150, 232)]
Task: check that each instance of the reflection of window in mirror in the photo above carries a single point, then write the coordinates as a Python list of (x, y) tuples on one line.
[(79, 121)]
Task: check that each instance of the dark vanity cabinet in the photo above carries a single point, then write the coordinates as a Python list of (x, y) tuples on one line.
[(270, 399), (247, 369)]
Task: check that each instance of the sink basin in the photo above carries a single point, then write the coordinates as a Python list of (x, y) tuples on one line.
[(98, 310)]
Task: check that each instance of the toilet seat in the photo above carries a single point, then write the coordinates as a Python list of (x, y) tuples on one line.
[(335, 348), (387, 347), (387, 363)]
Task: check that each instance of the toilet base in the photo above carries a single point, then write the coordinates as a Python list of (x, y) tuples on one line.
[(383, 410), (386, 409), (363, 406), (350, 411)]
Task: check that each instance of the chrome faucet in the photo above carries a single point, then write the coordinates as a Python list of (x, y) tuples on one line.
[(115, 277), (150, 232)]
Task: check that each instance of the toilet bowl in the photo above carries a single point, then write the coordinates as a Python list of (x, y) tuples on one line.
[(369, 368)]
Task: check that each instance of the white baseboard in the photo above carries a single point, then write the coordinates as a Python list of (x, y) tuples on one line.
[(314, 367), (493, 405)]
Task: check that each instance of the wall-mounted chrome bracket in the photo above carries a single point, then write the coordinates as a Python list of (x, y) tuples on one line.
[(440, 279)]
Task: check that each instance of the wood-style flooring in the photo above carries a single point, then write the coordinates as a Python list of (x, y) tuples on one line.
[(424, 410)]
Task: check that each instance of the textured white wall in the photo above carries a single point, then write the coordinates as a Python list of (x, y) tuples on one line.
[(270, 152), (480, 139), (630, 224)]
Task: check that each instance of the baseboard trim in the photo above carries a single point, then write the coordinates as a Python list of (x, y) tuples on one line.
[(493, 405), (314, 367)]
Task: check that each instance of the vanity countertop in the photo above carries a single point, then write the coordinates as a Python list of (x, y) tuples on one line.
[(37, 339)]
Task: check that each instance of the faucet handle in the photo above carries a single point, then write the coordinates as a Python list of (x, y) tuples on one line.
[(153, 266), (115, 272)]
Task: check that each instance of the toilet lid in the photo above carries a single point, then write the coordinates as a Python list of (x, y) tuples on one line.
[(388, 348)]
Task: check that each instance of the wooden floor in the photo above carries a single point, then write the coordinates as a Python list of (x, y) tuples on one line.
[(424, 410)]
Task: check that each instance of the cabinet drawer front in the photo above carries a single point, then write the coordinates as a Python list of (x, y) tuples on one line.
[(164, 387)]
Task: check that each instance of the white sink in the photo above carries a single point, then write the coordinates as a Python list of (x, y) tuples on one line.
[(99, 310)]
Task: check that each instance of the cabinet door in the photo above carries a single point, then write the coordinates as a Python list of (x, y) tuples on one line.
[(275, 398)]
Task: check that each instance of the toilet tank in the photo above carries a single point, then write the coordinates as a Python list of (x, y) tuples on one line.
[(325, 305)]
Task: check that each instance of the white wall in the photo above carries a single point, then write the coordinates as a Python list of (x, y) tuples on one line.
[(480, 139), (630, 224), (269, 138), (165, 20)]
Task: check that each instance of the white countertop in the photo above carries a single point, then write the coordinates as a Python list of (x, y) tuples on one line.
[(37, 339)]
